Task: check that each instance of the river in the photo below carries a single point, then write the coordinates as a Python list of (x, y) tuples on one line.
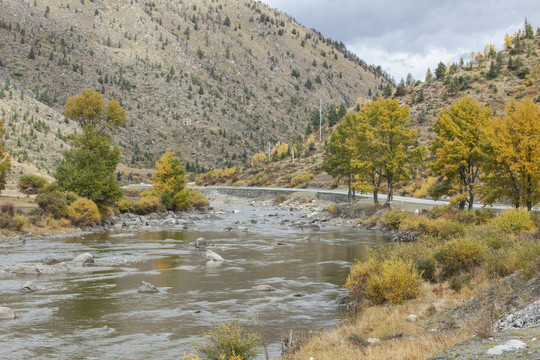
[(100, 314)]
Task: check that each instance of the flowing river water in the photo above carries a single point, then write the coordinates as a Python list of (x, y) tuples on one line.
[(100, 314)]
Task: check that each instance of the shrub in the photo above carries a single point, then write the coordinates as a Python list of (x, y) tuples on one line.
[(440, 228), (392, 280), (515, 220), (146, 205), (524, 255), (198, 199), (395, 281), (19, 222), (31, 184), (426, 267), (301, 179), (6, 221), (446, 228), (83, 212), (415, 224), (457, 282), (457, 255), (8, 208), (16, 222), (357, 279), (280, 199), (229, 341), (490, 236), (125, 206), (52, 201), (393, 218)]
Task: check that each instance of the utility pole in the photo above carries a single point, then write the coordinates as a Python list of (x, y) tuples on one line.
[(320, 120), (269, 150)]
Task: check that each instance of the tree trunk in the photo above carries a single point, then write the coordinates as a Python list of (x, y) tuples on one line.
[(349, 193), (471, 197), (529, 192), (462, 204), (390, 196), (376, 196)]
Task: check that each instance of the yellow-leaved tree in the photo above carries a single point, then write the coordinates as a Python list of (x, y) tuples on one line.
[(457, 149), (388, 141), (169, 182), (258, 159), (279, 151), (374, 145), (512, 162)]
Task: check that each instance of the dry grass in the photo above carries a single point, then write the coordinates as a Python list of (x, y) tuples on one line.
[(399, 338)]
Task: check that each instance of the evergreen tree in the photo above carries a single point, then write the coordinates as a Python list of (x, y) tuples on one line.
[(387, 92), (440, 72)]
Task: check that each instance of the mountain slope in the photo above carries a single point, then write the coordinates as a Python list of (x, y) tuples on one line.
[(494, 78), (212, 80)]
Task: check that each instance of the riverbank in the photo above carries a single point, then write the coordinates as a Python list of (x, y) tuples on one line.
[(443, 314)]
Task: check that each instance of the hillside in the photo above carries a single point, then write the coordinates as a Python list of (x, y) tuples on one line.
[(214, 81), (492, 77), (515, 73)]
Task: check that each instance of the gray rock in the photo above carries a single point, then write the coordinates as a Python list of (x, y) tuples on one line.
[(263, 288), (412, 318), (24, 269), (214, 263), (83, 259), (373, 340), (509, 346), (210, 255), (200, 243), (29, 287), (147, 287), (6, 313), (50, 261)]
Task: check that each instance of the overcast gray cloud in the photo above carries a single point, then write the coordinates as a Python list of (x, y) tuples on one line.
[(410, 36)]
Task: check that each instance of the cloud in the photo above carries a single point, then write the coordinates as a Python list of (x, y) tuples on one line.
[(409, 36)]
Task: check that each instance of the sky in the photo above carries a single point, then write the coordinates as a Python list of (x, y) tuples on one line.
[(408, 36)]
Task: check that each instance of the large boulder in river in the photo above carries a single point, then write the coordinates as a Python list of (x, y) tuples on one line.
[(29, 287), (147, 287), (210, 255), (84, 259), (6, 313), (200, 243), (24, 269)]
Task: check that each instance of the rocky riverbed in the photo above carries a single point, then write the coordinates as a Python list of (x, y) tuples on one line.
[(155, 282)]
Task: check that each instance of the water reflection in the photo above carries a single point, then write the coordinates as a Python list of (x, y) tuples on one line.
[(69, 313)]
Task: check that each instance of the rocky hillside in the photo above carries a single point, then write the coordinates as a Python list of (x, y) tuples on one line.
[(213, 80), (491, 77)]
